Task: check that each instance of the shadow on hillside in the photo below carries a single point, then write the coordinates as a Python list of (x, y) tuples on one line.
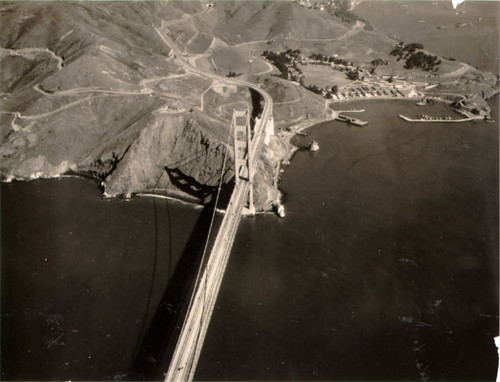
[(188, 184), (257, 103)]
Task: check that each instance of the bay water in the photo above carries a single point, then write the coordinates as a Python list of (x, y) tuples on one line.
[(385, 267)]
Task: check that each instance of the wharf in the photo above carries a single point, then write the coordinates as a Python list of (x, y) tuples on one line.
[(435, 120), (351, 120)]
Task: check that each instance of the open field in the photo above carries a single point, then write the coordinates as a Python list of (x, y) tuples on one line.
[(236, 60), (324, 76)]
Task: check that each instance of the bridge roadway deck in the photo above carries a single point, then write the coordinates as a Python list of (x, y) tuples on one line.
[(189, 345), (188, 349)]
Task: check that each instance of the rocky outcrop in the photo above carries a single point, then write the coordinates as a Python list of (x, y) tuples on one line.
[(174, 155), (266, 194)]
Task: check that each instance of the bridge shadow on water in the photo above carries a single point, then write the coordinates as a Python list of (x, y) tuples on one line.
[(158, 344)]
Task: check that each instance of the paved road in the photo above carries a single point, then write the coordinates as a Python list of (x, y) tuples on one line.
[(267, 112)]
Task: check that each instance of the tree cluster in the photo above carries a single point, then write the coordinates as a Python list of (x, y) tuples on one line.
[(378, 62), (342, 11), (424, 61), (403, 50), (286, 62), (415, 57), (326, 92), (325, 58), (233, 74), (354, 74), (315, 89)]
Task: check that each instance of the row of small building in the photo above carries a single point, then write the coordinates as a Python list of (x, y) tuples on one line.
[(366, 91)]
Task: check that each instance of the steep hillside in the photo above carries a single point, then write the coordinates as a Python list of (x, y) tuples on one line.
[(178, 152), (85, 85), (276, 19)]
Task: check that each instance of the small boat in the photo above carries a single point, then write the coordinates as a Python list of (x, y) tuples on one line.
[(313, 146)]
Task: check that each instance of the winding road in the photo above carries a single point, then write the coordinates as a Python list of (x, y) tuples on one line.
[(267, 112)]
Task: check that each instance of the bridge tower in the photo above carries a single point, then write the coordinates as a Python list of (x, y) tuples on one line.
[(243, 169)]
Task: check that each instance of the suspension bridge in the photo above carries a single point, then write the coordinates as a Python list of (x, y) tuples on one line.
[(248, 143)]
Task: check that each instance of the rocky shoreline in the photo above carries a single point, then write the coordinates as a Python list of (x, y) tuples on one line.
[(279, 152)]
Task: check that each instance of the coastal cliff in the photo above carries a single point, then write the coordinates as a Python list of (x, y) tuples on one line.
[(171, 152)]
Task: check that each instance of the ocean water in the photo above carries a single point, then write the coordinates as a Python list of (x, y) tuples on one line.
[(88, 284), (385, 267)]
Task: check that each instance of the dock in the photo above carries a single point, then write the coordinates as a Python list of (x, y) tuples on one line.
[(351, 120), (351, 111), (439, 120)]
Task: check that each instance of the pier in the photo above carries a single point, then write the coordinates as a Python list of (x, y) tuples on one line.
[(351, 120), (439, 120)]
